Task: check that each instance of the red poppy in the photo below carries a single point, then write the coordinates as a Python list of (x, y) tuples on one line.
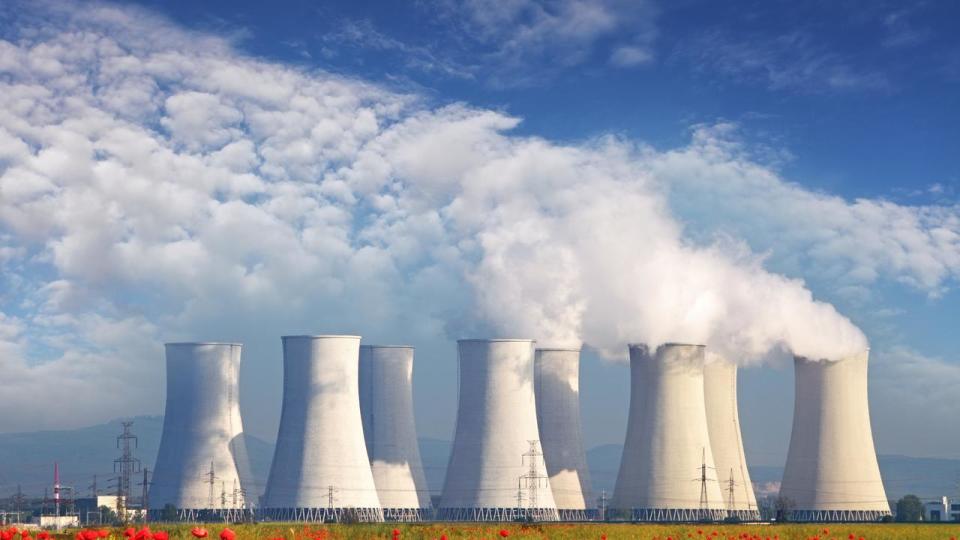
[(43, 535), (227, 534), (198, 532), (443, 537), (160, 535), (396, 532), (129, 532), (24, 534), (504, 533)]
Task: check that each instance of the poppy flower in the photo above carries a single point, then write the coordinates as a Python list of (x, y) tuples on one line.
[(160, 535), (198, 532), (43, 535), (504, 533), (227, 534), (104, 533), (129, 532)]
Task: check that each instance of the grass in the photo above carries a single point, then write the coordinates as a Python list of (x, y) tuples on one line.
[(595, 531)]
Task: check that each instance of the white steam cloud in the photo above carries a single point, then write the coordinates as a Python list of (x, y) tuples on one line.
[(155, 185)]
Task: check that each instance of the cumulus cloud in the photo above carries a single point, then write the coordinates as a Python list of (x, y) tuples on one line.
[(152, 189)]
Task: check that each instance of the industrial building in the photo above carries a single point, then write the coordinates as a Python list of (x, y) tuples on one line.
[(667, 472), (496, 470), (831, 472), (723, 425), (320, 470), (202, 459), (389, 429), (557, 391)]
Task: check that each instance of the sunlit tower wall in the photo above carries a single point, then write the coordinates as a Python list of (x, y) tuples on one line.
[(496, 470), (320, 469), (723, 424), (202, 459), (386, 405), (831, 472), (557, 390), (667, 471)]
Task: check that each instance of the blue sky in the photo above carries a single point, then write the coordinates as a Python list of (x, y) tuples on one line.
[(230, 171)]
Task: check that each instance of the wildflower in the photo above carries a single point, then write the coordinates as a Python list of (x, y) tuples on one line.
[(227, 534), (198, 532), (504, 533)]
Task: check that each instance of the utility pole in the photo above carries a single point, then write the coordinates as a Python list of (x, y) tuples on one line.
[(330, 491), (731, 493), (126, 465), (603, 505), (144, 501), (223, 494)]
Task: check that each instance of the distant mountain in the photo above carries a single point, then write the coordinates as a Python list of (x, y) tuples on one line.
[(924, 477), (27, 459)]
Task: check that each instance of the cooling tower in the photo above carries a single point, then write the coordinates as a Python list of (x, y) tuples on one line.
[(320, 470), (667, 471), (723, 424), (557, 380), (202, 435), (386, 405), (496, 470), (831, 472)]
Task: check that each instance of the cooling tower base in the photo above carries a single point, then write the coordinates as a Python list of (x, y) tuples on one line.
[(743, 515), (322, 515), (407, 515), (225, 515), (837, 515), (678, 514), (578, 514), (497, 514)]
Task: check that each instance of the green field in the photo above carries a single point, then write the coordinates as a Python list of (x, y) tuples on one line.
[(595, 531)]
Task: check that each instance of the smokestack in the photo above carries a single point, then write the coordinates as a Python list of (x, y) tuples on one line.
[(723, 424), (496, 470), (386, 405), (667, 470), (320, 469), (831, 472), (557, 379), (202, 446)]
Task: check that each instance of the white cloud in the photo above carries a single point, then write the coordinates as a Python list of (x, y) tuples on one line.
[(156, 185)]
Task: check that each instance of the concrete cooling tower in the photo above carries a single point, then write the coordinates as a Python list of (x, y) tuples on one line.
[(320, 468), (386, 405), (667, 471), (496, 470), (557, 389), (831, 472), (723, 424), (202, 435)]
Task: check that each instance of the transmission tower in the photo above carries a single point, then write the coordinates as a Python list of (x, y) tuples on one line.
[(603, 505), (704, 503), (126, 465), (211, 481), (144, 494), (533, 478)]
